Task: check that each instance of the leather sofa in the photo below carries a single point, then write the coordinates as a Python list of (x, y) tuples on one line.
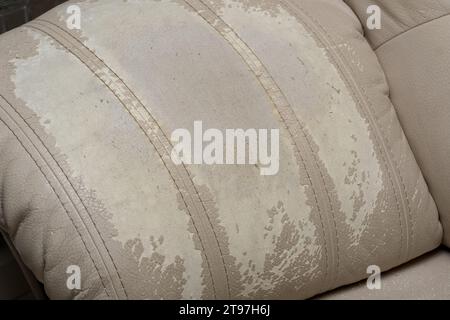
[(88, 186)]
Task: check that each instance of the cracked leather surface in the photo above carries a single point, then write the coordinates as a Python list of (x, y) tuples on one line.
[(86, 176)]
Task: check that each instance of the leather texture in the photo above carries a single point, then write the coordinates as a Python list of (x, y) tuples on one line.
[(87, 178), (425, 278), (399, 17), (414, 52)]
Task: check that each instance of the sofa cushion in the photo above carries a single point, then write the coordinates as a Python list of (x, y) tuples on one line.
[(88, 181), (413, 46), (398, 16), (424, 278)]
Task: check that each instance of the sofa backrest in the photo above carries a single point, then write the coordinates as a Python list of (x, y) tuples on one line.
[(413, 46)]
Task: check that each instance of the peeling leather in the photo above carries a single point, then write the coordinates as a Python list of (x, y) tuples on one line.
[(85, 162)]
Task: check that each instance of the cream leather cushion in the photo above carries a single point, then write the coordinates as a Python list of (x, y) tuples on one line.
[(86, 174), (413, 46), (424, 278)]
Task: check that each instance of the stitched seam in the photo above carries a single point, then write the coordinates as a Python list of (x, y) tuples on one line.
[(285, 122), (411, 29), (72, 187), (116, 95), (396, 163), (388, 144), (333, 218), (151, 141), (347, 77), (62, 182), (352, 90), (215, 235), (2, 201), (170, 173), (60, 201), (50, 168), (402, 182), (236, 47)]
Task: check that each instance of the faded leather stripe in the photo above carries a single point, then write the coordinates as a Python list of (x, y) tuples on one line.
[(179, 174), (304, 151), (363, 101)]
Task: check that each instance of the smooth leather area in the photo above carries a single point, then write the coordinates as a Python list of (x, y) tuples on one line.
[(398, 17), (425, 278)]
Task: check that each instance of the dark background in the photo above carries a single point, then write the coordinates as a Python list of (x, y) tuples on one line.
[(14, 13)]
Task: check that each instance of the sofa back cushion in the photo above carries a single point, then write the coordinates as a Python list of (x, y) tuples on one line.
[(413, 46), (89, 183)]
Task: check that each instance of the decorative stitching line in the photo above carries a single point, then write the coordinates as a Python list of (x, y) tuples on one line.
[(56, 194), (364, 101), (117, 96), (150, 118), (274, 93), (76, 192), (67, 193)]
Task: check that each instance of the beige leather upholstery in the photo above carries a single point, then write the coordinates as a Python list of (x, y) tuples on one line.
[(399, 17), (413, 47), (86, 173), (424, 278)]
